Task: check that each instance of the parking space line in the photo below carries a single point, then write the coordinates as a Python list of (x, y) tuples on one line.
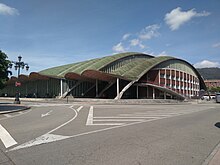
[(6, 138), (90, 116), (124, 117)]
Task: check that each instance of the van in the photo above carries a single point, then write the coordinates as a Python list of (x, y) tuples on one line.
[(217, 98)]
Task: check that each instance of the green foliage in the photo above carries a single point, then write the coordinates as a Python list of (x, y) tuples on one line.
[(214, 89), (3, 69)]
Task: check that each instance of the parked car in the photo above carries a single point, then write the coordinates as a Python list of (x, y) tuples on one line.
[(217, 97)]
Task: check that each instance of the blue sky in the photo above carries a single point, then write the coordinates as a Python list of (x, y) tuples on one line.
[(49, 33)]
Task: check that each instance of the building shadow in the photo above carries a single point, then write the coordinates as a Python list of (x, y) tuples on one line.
[(217, 124)]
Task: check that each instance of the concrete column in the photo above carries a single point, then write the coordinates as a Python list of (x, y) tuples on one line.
[(118, 87), (137, 92), (61, 87), (171, 81), (165, 95), (153, 93), (159, 77), (187, 84), (165, 78), (183, 83), (179, 83), (175, 81), (47, 86), (96, 88), (147, 93)]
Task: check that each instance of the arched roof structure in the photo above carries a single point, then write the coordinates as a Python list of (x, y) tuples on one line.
[(134, 67)]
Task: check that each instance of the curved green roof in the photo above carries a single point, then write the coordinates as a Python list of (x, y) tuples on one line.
[(94, 64), (135, 70), (130, 70)]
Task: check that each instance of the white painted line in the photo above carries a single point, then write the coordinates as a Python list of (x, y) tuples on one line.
[(132, 115), (6, 138), (118, 120), (107, 124), (46, 114), (124, 117), (78, 109), (26, 145), (110, 128), (46, 138), (119, 125), (7, 115), (90, 116), (156, 113), (71, 107), (20, 112)]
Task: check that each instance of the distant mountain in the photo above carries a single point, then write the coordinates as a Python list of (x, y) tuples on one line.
[(209, 73)]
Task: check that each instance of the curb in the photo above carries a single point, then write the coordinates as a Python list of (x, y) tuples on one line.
[(12, 111), (213, 158)]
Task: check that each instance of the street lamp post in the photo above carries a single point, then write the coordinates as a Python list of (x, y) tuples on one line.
[(18, 66)]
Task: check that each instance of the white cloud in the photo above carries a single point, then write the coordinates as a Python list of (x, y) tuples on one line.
[(137, 42), (206, 64), (176, 17), (149, 32), (7, 10), (129, 40), (142, 46), (125, 36), (216, 45), (118, 48), (163, 53), (134, 42)]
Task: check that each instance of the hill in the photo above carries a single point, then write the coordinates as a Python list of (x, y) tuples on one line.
[(209, 73)]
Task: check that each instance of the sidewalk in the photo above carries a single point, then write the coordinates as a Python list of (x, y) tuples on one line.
[(9, 108)]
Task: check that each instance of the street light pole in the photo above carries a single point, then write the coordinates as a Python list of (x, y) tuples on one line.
[(18, 66)]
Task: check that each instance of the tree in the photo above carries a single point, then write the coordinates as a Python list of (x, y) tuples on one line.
[(3, 69)]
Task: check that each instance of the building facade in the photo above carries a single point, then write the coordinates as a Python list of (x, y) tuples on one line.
[(212, 83), (126, 75)]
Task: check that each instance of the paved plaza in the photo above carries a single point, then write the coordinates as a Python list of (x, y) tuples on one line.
[(80, 133)]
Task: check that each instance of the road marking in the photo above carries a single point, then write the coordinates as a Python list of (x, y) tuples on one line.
[(7, 115), (90, 117), (46, 114), (39, 140), (120, 120), (114, 120), (149, 115), (124, 117), (90, 120), (46, 138), (6, 138), (76, 114), (78, 109)]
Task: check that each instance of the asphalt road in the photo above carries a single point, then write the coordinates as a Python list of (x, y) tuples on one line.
[(81, 134)]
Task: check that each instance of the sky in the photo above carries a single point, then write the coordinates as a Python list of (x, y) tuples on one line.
[(48, 33)]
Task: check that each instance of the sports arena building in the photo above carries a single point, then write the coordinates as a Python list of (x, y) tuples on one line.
[(126, 75)]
